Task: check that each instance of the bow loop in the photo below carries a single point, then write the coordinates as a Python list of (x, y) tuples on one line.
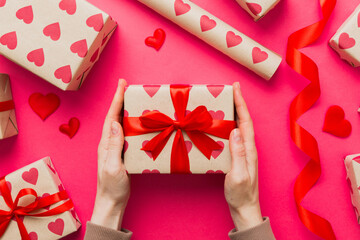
[(199, 119), (155, 120)]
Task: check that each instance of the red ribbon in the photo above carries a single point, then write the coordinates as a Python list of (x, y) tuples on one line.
[(301, 103), (16, 210), (7, 105), (196, 124)]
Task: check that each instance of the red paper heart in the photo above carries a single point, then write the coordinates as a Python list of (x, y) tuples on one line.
[(2, 3), (80, 48), (9, 40), (157, 40), (37, 57), (181, 7), (258, 55), (96, 21), (33, 236), (68, 5), (31, 176), (57, 226), (95, 56), (232, 39), (64, 73), (335, 122), (25, 14), (42, 105), (215, 90), (52, 31), (216, 153), (206, 23), (154, 171), (214, 172), (345, 41), (218, 115), (151, 90), (254, 8), (71, 128)]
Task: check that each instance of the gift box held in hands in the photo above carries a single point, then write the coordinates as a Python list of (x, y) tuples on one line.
[(58, 40), (258, 8), (34, 204), (8, 125), (178, 129), (352, 164)]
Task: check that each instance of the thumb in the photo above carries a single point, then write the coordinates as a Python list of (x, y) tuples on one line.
[(238, 153), (115, 146)]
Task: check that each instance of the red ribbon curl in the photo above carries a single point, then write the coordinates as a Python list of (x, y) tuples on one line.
[(197, 124), (301, 103), (7, 105), (16, 210)]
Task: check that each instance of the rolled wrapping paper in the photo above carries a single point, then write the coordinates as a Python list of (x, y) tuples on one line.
[(218, 34)]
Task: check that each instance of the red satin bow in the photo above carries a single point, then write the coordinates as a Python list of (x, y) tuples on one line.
[(7, 105), (302, 102), (16, 210), (196, 124)]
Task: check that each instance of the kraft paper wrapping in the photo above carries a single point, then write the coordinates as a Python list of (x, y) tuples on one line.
[(58, 40), (140, 99), (352, 164), (346, 41), (8, 125), (43, 178), (219, 35), (258, 8)]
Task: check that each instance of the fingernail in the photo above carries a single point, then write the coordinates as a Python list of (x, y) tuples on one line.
[(115, 128), (236, 135), (237, 84)]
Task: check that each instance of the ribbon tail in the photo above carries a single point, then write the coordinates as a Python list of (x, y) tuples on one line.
[(3, 226), (157, 144), (179, 157), (23, 232), (203, 142)]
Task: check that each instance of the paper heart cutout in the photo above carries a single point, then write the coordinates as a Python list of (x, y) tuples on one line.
[(151, 90), (218, 115), (33, 236), (157, 40), (95, 55), (126, 146), (68, 5), (71, 128), (52, 31), (216, 153), (345, 41), (181, 7), (37, 57), (215, 90), (258, 55), (80, 48), (147, 152), (96, 22), (26, 14), (254, 8), (64, 74), (57, 226), (188, 145), (9, 186), (42, 105), (214, 172), (206, 23), (232, 39), (31, 176), (9, 40), (335, 122), (2, 3), (349, 185), (147, 171)]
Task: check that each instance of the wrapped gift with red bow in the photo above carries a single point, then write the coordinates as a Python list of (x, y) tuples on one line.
[(178, 128), (258, 8), (8, 125), (35, 205), (352, 165), (59, 41)]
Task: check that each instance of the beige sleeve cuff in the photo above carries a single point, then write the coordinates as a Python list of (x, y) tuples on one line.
[(260, 232), (96, 232)]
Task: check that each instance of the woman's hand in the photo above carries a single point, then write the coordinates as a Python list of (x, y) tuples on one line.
[(241, 183), (113, 186)]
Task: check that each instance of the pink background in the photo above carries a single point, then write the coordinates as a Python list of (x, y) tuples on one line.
[(193, 207)]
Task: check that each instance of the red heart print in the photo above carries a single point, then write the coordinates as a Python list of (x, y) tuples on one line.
[(349, 185), (188, 145), (57, 226), (157, 40), (31, 176), (95, 55), (52, 169), (186, 113), (25, 14), (33, 236), (9, 40), (232, 39), (21, 217), (126, 146), (154, 171), (147, 111), (151, 90), (44, 195), (254, 8), (335, 122), (181, 7), (2, 3), (206, 23), (345, 41), (258, 55), (37, 57), (96, 21), (8, 185), (357, 159), (218, 115), (71, 128), (64, 73), (358, 20), (61, 187), (73, 213), (214, 172), (42, 105), (80, 47), (215, 90), (216, 153), (52, 31), (126, 113), (148, 153), (68, 5)]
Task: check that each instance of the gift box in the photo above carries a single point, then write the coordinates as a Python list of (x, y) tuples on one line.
[(352, 164), (57, 40), (8, 125), (42, 208), (346, 41), (178, 129), (258, 8)]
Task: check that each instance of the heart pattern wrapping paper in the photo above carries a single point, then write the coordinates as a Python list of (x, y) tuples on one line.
[(43, 178), (346, 41), (59, 40), (8, 124), (352, 165), (257, 8)]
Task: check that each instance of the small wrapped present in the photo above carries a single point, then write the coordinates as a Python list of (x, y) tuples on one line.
[(57, 40), (346, 41), (258, 8), (34, 204), (178, 129), (352, 164), (8, 125)]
